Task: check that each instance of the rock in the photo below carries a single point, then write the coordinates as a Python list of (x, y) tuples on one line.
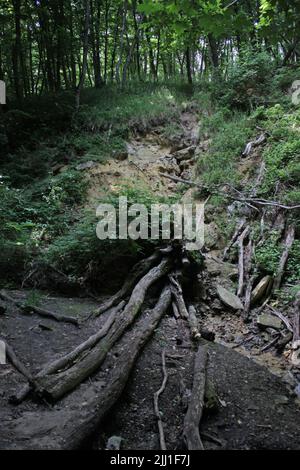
[(229, 299), (281, 400), (217, 267), (85, 165), (269, 321), (120, 155), (185, 154), (114, 443), (261, 289), (295, 356)]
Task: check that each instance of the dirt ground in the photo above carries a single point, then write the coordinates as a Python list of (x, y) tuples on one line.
[(255, 409)]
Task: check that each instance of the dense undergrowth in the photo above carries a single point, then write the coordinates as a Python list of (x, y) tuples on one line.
[(41, 212)]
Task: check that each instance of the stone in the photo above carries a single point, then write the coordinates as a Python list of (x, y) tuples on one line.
[(261, 289), (217, 267), (114, 443), (269, 321), (295, 356), (185, 154), (121, 155), (85, 165), (229, 299)]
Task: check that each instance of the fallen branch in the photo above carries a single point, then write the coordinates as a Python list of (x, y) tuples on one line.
[(248, 293), (156, 407), (254, 143), (193, 323), (234, 238), (70, 428), (139, 270), (40, 311), (178, 295), (69, 358), (193, 416), (53, 387), (288, 243), (242, 238), (282, 317), (245, 200), (11, 355)]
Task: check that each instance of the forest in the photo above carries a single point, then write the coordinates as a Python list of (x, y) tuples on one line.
[(113, 340)]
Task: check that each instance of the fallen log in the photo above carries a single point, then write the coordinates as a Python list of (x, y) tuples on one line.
[(295, 356), (288, 243), (139, 270), (178, 295), (234, 238), (193, 324), (157, 394), (11, 355), (241, 268), (71, 428), (191, 434), (40, 311), (248, 294), (69, 358), (53, 387)]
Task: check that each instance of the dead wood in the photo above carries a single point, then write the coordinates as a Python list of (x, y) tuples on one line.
[(139, 270), (178, 295), (281, 316), (254, 143), (282, 342), (157, 394), (234, 238), (259, 179), (53, 387), (241, 267), (288, 243), (69, 358), (296, 322), (193, 323), (175, 310), (248, 293), (241, 198), (193, 416), (40, 311), (74, 427), (13, 358)]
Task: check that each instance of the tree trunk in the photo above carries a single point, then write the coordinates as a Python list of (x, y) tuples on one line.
[(85, 52)]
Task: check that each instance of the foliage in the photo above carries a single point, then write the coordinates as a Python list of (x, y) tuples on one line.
[(228, 133)]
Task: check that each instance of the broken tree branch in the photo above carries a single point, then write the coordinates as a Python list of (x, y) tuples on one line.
[(69, 358), (241, 268), (178, 295), (157, 394), (282, 317), (245, 200), (193, 323), (234, 238), (55, 386), (288, 243), (40, 311), (191, 434), (139, 270)]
